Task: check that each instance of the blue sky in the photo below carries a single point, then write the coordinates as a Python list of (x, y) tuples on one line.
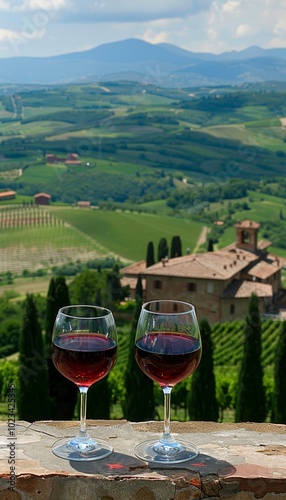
[(49, 27)]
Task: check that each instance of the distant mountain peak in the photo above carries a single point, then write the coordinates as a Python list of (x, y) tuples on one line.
[(138, 60)]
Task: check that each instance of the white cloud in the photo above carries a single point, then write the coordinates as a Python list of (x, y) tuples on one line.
[(45, 4), (230, 6), (32, 5), (280, 27), (4, 6), (244, 29), (8, 35), (152, 36)]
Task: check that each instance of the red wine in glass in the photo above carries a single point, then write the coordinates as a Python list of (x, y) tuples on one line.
[(84, 358), (167, 349), (84, 350), (166, 357)]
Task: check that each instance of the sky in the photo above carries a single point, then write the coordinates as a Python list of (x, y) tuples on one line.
[(49, 27)]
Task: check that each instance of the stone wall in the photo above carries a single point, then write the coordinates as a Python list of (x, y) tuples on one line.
[(236, 462)]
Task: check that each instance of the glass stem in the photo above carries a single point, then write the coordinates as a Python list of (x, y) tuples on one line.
[(82, 434), (167, 414)]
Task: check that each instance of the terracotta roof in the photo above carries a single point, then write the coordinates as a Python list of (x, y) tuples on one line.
[(134, 269), (265, 268), (239, 289), (246, 224), (262, 244), (218, 265), (42, 194), (3, 194)]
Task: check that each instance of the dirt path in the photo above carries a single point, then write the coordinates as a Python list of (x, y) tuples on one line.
[(202, 238)]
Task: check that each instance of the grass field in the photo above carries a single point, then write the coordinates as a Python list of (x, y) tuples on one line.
[(85, 234), (127, 234), (32, 239)]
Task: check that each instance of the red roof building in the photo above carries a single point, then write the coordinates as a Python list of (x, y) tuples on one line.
[(42, 199), (218, 283), (7, 195)]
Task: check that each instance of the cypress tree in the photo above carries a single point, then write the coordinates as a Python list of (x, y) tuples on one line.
[(63, 393), (139, 288), (150, 259), (163, 250), (139, 401), (50, 316), (251, 401), (176, 247), (202, 402), (98, 400), (210, 245), (279, 396), (33, 392), (114, 284)]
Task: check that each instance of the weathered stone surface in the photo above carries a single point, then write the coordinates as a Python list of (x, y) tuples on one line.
[(236, 462)]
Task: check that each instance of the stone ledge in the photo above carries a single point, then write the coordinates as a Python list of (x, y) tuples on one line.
[(236, 462)]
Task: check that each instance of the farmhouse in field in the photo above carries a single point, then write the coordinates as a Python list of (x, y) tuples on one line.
[(7, 195), (83, 204), (42, 199), (51, 158), (218, 283), (72, 159)]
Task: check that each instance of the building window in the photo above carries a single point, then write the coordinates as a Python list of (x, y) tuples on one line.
[(210, 287), (158, 284), (232, 309), (192, 287)]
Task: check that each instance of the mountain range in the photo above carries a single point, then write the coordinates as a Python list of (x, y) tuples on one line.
[(160, 64)]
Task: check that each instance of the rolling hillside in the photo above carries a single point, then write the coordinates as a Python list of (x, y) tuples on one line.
[(137, 145)]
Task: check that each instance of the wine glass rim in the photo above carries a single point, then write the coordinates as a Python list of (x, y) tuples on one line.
[(190, 307), (89, 306)]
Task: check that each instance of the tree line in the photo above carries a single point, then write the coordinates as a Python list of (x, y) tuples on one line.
[(43, 393)]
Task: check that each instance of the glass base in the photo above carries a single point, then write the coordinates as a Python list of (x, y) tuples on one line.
[(81, 450), (163, 452)]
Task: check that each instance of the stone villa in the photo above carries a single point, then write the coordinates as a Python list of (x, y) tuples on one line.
[(218, 283)]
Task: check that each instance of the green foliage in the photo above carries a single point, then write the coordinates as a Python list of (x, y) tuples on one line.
[(163, 249), (209, 193), (150, 259), (139, 288), (84, 288), (279, 396), (226, 390), (32, 394), (9, 336), (139, 400), (210, 247), (176, 247), (202, 402), (99, 400), (8, 375), (62, 392), (113, 284), (251, 401)]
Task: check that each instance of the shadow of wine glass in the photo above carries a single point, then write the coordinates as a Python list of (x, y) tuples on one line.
[(115, 464), (121, 464), (202, 464)]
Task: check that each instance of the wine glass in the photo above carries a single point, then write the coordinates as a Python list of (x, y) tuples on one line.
[(84, 350), (167, 349)]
